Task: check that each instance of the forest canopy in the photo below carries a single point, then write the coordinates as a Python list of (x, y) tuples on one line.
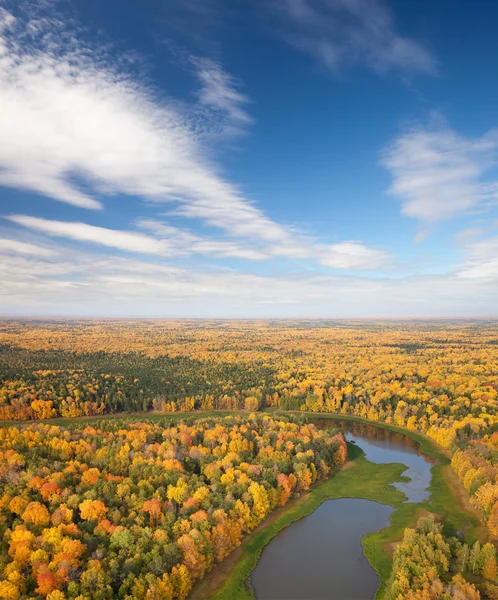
[(143, 510)]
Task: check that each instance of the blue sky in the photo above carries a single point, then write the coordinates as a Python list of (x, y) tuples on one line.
[(294, 158)]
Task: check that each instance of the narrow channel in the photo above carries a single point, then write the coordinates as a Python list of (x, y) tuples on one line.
[(385, 446)]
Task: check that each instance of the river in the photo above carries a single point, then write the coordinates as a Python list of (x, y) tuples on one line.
[(321, 556)]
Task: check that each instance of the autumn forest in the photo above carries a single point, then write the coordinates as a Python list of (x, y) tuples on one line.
[(137, 456)]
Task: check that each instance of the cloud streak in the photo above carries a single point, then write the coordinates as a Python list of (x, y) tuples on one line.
[(122, 240), (347, 33), (10, 246), (482, 261), (74, 283), (219, 91), (354, 256), (167, 241)]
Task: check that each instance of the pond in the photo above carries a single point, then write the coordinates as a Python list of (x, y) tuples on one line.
[(321, 556)]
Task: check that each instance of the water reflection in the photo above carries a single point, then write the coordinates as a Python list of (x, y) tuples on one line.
[(384, 446)]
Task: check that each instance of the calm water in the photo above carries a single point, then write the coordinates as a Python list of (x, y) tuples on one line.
[(384, 446), (320, 556)]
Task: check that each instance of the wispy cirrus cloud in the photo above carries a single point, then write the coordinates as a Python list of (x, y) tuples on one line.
[(10, 246), (481, 261), (346, 33), (189, 243), (167, 241), (354, 256), (438, 174), (469, 233), (75, 283), (220, 92), (68, 112), (127, 241)]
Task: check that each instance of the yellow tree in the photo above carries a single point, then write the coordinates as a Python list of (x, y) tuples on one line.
[(92, 510), (36, 513), (177, 493)]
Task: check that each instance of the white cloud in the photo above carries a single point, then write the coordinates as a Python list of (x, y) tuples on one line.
[(67, 114), (167, 240), (438, 174), (481, 260), (123, 240), (10, 246), (354, 256), (219, 92), (342, 33), (195, 244), (171, 241), (86, 285), (469, 233)]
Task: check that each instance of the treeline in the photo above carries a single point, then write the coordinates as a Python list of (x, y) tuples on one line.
[(142, 510), (44, 384)]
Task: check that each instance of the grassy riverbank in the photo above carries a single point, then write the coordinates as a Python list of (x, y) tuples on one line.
[(140, 416), (448, 498)]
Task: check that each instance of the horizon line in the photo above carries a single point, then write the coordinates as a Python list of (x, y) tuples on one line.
[(247, 318)]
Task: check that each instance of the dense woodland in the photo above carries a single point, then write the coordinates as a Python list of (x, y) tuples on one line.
[(143, 510), (429, 566), (436, 378)]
